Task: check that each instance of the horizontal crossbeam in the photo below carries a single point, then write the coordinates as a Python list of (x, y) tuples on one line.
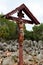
[(19, 19)]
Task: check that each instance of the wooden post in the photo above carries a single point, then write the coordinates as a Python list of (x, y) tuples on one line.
[(20, 40), (20, 54)]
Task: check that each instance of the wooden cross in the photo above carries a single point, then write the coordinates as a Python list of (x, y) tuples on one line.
[(20, 22)]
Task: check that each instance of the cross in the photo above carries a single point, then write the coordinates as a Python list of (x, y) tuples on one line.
[(20, 22)]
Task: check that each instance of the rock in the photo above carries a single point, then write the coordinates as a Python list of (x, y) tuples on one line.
[(7, 53), (1, 61), (8, 42), (30, 43), (1, 53), (41, 62), (40, 44), (5, 44), (27, 43), (8, 61), (1, 47), (35, 44), (14, 48), (40, 56), (16, 53), (28, 59), (8, 47)]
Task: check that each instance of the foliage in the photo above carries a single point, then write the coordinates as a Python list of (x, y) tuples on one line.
[(29, 35), (38, 32), (7, 29)]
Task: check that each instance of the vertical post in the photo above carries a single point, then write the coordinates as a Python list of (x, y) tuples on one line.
[(20, 40), (20, 54)]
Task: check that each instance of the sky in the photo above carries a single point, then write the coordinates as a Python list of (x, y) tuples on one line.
[(35, 6)]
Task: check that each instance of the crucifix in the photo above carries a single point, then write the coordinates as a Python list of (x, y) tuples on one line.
[(20, 22)]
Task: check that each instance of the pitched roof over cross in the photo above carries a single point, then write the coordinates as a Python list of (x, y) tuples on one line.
[(26, 11)]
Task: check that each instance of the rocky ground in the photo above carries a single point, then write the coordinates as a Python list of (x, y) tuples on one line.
[(32, 52)]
